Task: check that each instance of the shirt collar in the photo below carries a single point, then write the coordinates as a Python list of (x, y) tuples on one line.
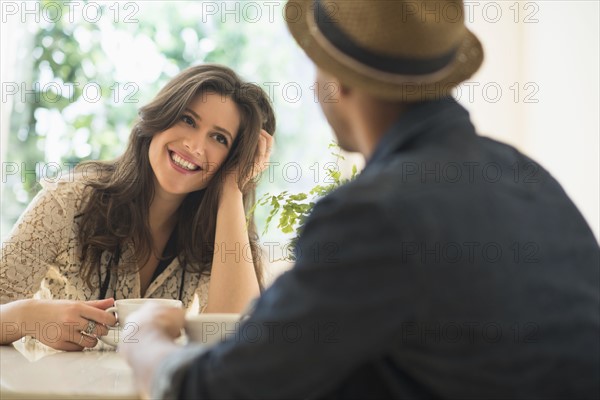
[(418, 118)]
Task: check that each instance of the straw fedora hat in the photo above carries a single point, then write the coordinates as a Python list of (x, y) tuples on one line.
[(392, 49)]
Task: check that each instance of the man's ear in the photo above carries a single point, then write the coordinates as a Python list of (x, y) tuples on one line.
[(329, 88), (345, 91)]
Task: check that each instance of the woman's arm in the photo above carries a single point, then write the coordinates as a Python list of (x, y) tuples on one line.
[(233, 282), (40, 234), (32, 246), (56, 323), (11, 321)]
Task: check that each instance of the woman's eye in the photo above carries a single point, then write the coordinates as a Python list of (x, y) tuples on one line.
[(188, 120), (221, 139)]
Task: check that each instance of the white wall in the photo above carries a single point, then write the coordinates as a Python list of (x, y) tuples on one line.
[(555, 53)]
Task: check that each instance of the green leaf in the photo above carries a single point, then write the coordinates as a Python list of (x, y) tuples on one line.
[(293, 208), (298, 197)]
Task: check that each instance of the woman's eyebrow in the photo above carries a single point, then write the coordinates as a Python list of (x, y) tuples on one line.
[(218, 128)]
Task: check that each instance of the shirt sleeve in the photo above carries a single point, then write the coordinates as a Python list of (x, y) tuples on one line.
[(318, 322), (170, 374), (36, 239)]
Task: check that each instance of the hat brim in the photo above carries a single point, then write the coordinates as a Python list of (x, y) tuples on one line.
[(467, 60)]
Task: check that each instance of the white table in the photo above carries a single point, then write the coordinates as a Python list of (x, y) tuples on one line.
[(30, 370)]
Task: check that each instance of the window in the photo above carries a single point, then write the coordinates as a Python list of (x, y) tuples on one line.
[(79, 71)]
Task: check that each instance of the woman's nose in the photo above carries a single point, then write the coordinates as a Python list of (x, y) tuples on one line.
[(196, 144)]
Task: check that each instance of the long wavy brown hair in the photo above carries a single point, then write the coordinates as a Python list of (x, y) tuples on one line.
[(117, 205)]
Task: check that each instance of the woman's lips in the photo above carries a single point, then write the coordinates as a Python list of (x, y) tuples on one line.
[(181, 164)]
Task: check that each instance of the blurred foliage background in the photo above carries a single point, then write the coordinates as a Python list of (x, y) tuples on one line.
[(88, 70)]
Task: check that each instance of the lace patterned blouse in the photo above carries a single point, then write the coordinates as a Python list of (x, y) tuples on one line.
[(40, 258)]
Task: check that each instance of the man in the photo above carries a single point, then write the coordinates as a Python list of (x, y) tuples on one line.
[(453, 266)]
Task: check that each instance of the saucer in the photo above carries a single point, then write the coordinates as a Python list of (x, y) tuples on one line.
[(114, 337), (128, 334)]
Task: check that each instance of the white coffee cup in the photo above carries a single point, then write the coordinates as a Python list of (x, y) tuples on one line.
[(122, 309), (210, 329)]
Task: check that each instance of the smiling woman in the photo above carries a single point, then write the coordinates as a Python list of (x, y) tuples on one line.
[(188, 154), (164, 220)]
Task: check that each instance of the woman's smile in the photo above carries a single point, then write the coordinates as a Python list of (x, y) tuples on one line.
[(182, 164)]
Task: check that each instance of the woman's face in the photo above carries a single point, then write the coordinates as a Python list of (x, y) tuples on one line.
[(185, 157)]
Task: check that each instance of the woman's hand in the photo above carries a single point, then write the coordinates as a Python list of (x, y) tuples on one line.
[(261, 160), (61, 324), (262, 156)]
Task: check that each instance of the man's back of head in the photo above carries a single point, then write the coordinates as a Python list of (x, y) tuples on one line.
[(375, 58), (395, 50)]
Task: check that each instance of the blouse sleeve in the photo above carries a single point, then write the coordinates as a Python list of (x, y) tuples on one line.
[(37, 238)]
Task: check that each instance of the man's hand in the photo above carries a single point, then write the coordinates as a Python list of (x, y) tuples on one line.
[(157, 326), (155, 318)]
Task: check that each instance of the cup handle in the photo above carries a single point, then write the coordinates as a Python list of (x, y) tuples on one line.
[(113, 310)]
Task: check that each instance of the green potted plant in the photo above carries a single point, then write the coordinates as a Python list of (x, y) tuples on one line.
[(293, 208)]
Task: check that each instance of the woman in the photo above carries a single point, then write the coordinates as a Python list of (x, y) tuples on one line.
[(166, 219)]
